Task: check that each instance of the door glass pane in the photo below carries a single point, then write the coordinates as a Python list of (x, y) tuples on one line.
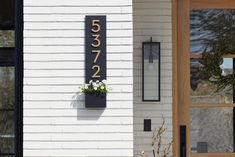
[(6, 144), (210, 27), (6, 88), (212, 130), (7, 122), (7, 56), (7, 131), (7, 14), (202, 90), (7, 38)]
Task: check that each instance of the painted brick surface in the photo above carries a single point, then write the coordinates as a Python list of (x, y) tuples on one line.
[(152, 18), (56, 124)]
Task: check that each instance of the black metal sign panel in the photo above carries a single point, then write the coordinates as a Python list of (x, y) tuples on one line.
[(95, 48)]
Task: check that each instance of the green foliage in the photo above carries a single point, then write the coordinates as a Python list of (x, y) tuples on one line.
[(220, 26)]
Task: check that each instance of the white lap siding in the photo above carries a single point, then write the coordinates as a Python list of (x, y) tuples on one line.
[(152, 18), (56, 123)]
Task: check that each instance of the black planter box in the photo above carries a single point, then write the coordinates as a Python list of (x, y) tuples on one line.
[(95, 100)]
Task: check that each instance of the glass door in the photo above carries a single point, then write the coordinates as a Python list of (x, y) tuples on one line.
[(212, 46), (206, 64), (7, 78)]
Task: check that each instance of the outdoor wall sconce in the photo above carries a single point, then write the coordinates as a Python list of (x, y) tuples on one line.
[(151, 71)]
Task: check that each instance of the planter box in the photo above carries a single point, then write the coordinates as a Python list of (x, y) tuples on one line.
[(95, 100)]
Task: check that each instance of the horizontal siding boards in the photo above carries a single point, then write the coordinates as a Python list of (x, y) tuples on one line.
[(82, 3), (73, 49), (72, 57), (152, 18), (56, 123), (75, 152), (80, 121), (71, 33), (73, 25), (73, 41), (72, 17), (76, 9), (64, 105)]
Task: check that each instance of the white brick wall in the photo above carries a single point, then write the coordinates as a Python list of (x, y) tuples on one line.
[(56, 124), (152, 18)]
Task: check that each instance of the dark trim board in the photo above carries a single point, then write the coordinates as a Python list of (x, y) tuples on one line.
[(19, 78), (233, 111)]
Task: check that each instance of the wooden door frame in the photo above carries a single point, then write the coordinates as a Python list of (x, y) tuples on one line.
[(180, 31), (179, 34)]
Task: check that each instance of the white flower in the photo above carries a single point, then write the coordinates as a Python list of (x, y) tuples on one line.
[(104, 81), (86, 86), (90, 81), (97, 81), (95, 88), (102, 87), (93, 84)]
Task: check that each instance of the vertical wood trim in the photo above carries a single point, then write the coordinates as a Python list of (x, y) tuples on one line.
[(175, 80), (183, 68)]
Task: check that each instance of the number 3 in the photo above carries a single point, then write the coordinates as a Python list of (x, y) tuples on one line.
[(97, 40)]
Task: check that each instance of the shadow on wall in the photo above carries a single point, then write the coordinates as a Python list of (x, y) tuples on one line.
[(78, 102)]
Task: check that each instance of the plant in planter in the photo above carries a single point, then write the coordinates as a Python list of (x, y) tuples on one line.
[(157, 149), (95, 93), (95, 87)]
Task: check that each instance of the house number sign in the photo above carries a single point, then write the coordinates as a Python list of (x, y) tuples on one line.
[(95, 54)]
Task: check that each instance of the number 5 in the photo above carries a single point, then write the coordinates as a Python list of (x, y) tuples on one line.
[(95, 23)]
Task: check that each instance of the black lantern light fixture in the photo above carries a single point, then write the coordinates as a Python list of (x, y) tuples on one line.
[(151, 71)]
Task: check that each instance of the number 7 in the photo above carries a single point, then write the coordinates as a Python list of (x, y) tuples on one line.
[(97, 55)]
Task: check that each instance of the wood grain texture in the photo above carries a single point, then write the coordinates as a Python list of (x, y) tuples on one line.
[(175, 78), (212, 4), (184, 67)]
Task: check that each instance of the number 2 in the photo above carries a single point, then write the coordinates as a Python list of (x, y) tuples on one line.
[(97, 68)]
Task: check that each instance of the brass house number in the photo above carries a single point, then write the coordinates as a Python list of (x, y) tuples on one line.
[(95, 48)]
